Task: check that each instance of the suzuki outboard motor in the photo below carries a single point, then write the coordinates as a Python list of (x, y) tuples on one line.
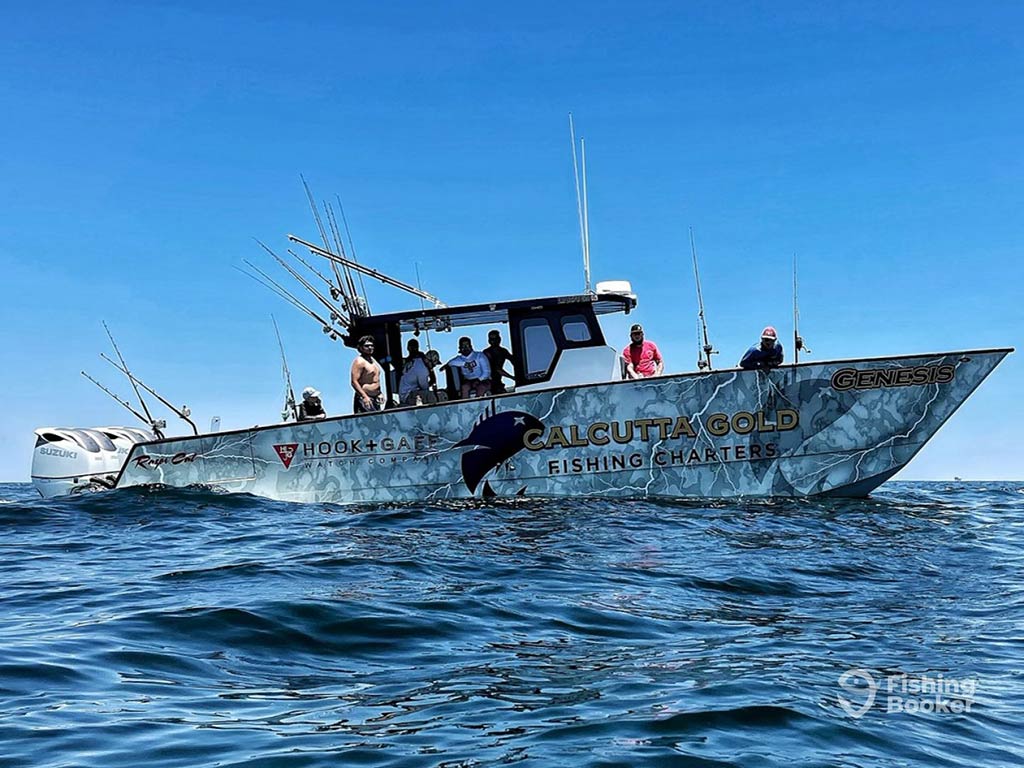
[(67, 461)]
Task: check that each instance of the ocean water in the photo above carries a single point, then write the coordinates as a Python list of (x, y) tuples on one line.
[(166, 628)]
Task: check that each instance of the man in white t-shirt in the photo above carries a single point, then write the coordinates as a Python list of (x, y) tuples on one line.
[(474, 370)]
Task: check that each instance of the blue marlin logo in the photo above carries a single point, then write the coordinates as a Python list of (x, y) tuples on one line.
[(498, 437)]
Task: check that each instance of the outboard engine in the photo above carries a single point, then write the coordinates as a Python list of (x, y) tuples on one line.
[(68, 461)]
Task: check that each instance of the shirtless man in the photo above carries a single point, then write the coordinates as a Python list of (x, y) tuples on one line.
[(366, 379)]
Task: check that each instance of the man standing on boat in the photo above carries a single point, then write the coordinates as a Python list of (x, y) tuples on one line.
[(642, 358), (497, 355), (366, 379), (764, 356), (418, 382)]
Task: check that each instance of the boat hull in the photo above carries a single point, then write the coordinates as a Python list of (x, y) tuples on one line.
[(838, 428)]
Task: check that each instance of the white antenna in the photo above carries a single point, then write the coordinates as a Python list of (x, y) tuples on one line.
[(586, 218), (581, 202)]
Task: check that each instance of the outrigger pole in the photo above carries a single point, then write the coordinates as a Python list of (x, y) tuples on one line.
[(708, 350), (367, 271), (182, 413), (154, 425)]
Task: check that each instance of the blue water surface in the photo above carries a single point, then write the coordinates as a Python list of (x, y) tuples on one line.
[(167, 628)]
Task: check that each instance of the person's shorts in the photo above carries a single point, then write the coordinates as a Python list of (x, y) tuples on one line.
[(376, 404), (477, 387)]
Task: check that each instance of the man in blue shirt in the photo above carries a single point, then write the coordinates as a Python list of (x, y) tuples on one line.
[(766, 355)]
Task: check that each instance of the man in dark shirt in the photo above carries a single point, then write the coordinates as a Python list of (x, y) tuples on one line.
[(496, 356), (311, 408), (766, 355)]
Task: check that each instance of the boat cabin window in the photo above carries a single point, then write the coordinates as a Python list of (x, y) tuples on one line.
[(575, 328), (538, 345)]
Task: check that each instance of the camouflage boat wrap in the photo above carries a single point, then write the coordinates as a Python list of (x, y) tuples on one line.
[(839, 428)]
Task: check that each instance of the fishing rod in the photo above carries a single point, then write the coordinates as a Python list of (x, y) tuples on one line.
[(355, 256), (276, 288), (798, 341), (154, 425), (336, 314), (335, 293), (290, 408), (708, 350), (124, 367), (419, 284), (426, 331), (367, 271), (332, 221), (273, 285), (182, 413), (320, 226)]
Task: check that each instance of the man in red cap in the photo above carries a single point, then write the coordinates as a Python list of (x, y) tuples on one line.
[(766, 355), (641, 357)]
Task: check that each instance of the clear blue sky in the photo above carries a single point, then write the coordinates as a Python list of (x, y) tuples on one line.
[(144, 145)]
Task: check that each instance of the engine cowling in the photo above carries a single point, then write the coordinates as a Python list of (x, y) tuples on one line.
[(67, 461)]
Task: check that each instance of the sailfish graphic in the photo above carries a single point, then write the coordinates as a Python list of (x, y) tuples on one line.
[(498, 437)]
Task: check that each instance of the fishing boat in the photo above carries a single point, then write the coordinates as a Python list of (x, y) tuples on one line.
[(570, 424)]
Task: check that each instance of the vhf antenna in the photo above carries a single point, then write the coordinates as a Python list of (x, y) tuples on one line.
[(707, 351), (798, 340), (582, 206)]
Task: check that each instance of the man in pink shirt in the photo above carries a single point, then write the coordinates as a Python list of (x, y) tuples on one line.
[(642, 357)]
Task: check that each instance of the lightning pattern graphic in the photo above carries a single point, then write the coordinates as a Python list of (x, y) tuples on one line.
[(845, 442)]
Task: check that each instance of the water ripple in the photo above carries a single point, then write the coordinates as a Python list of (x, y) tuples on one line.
[(185, 627)]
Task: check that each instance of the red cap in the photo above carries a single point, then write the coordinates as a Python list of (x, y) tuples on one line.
[(769, 333)]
